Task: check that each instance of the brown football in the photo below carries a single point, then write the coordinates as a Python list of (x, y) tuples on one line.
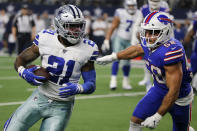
[(40, 72)]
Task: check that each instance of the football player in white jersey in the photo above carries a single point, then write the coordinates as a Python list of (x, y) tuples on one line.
[(66, 55), (125, 24)]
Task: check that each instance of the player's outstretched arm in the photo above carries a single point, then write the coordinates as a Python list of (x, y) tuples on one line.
[(89, 86), (129, 53), (173, 81), (22, 60)]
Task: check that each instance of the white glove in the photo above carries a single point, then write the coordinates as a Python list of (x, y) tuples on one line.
[(105, 46), (106, 59), (152, 121)]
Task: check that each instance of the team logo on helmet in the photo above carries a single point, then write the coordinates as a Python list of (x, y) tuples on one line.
[(164, 19)]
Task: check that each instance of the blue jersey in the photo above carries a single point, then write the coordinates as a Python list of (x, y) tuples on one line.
[(146, 10), (195, 30), (169, 53)]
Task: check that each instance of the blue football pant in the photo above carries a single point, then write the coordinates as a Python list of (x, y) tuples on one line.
[(55, 114), (151, 102)]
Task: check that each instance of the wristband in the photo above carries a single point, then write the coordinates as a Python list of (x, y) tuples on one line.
[(158, 116), (114, 56), (20, 69)]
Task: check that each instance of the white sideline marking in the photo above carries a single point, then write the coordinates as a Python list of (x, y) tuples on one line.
[(98, 76), (9, 77), (31, 89), (86, 97), (110, 95)]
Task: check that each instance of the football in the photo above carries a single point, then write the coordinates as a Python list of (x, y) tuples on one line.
[(40, 72)]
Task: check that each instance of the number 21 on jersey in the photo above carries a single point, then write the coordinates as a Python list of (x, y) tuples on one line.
[(57, 66)]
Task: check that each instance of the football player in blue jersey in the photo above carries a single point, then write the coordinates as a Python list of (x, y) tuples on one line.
[(165, 59), (192, 33), (66, 55), (153, 5)]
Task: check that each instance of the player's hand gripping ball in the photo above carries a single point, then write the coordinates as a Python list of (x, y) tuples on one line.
[(41, 71)]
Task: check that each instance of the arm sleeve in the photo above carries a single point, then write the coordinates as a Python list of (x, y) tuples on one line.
[(89, 78), (117, 13)]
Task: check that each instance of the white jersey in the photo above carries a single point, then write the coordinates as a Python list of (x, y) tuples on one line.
[(127, 23), (63, 63)]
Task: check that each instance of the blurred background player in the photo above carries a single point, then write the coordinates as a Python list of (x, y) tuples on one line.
[(23, 29), (66, 55), (124, 22), (190, 36), (153, 5), (88, 19), (4, 18), (99, 27)]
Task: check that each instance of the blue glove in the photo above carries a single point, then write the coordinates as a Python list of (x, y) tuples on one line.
[(70, 89), (29, 76)]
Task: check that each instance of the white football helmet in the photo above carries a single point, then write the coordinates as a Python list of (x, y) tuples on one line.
[(130, 6), (159, 25), (154, 4), (69, 23)]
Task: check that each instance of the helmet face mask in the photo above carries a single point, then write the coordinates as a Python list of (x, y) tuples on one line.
[(69, 23), (156, 29), (154, 4), (130, 6)]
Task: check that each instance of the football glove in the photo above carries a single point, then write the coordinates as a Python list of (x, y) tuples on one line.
[(152, 121), (29, 76), (70, 89), (106, 59), (105, 46)]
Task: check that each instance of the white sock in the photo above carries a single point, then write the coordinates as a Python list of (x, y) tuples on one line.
[(135, 127), (113, 77), (194, 81)]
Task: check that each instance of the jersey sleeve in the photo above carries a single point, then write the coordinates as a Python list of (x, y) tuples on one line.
[(117, 13), (91, 49), (38, 38), (95, 54), (173, 55), (42, 40)]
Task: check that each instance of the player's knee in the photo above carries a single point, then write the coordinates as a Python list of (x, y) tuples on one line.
[(136, 120)]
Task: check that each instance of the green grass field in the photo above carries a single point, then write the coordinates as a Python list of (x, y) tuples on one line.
[(109, 111)]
